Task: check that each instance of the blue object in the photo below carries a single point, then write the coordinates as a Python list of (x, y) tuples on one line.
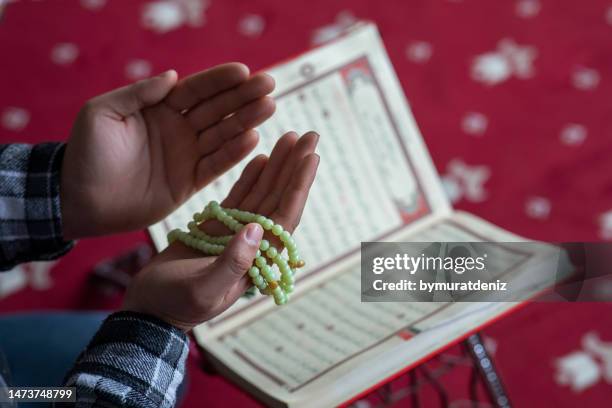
[(40, 348)]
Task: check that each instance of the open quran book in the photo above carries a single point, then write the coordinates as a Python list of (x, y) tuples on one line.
[(375, 182)]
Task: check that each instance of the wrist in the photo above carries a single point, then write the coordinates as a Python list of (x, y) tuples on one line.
[(134, 309), (77, 212), (138, 300)]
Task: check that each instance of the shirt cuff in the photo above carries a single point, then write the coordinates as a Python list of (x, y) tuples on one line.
[(134, 360), (30, 212)]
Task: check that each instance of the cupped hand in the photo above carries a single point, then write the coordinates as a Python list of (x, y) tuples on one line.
[(138, 152), (184, 287)]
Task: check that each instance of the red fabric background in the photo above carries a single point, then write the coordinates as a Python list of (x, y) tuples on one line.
[(522, 145)]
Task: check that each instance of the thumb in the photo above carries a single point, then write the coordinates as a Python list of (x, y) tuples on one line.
[(130, 99), (237, 257)]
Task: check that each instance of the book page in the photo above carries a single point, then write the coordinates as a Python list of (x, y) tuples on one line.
[(348, 93), (330, 343)]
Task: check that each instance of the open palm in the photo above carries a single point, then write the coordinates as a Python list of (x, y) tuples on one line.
[(185, 288), (138, 152)]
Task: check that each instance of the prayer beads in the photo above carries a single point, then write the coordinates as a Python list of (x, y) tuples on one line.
[(271, 272)]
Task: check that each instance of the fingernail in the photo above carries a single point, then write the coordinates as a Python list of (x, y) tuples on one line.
[(168, 73), (253, 234), (272, 78)]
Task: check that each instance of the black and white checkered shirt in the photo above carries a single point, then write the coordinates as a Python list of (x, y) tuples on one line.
[(30, 227), (134, 360)]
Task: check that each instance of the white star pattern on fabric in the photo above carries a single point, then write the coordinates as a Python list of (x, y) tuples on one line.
[(15, 119), (609, 15), (538, 208), (34, 274), (93, 4), (167, 15), (585, 79), (474, 123), (463, 181), (419, 51), (573, 134), (138, 69), (584, 368), (527, 8), (64, 53), (344, 20), (252, 25), (509, 60)]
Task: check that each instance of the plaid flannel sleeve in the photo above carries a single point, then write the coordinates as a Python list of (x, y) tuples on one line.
[(30, 215), (133, 361)]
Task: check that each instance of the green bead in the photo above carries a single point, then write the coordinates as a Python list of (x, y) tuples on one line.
[(287, 279), (214, 211), (264, 245), (285, 237), (259, 282), (260, 219), (284, 267), (260, 261), (277, 230), (253, 271), (266, 272), (271, 252), (267, 224), (290, 245)]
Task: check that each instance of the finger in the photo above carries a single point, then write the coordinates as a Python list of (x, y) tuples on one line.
[(292, 204), (237, 291), (248, 117), (235, 260), (270, 172), (206, 84), (241, 188), (179, 251), (130, 99), (304, 146), (213, 110), (247, 180), (212, 166)]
